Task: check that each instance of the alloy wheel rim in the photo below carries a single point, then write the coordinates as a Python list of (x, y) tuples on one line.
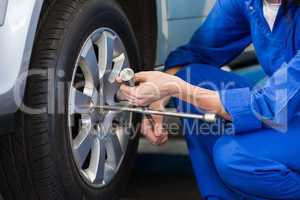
[(99, 140)]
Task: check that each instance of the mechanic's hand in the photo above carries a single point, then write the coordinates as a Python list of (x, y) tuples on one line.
[(159, 135), (151, 86)]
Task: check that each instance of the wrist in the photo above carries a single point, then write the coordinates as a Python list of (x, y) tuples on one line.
[(179, 88)]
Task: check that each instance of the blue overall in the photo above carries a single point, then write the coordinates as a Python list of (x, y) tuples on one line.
[(256, 156)]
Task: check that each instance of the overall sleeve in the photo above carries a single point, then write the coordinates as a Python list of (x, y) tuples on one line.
[(223, 36), (272, 105)]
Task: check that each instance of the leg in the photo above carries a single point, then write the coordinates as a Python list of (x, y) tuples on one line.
[(264, 164), (200, 136)]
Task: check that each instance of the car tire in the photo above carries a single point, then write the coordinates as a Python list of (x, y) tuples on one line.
[(39, 152)]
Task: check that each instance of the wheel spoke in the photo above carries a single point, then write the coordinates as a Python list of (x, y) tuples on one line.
[(114, 150), (79, 102), (118, 47), (82, 145), (95, 95), (118, 65), (110, 91), (101, 165), (122, 129), (97, 164), (123, 136), (89, 65), (108, 120), (101, 97), (124, 120), (112, 142), (106, 50)]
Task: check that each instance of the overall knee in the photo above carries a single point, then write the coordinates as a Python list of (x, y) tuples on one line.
[(248, 173), (230, 162)]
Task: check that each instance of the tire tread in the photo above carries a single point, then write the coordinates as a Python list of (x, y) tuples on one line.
[(27, 165), (35, 171)]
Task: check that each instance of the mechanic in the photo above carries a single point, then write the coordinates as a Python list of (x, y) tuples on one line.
[(257, 155)]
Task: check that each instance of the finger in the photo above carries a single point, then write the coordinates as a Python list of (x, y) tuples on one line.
[(164, 140), (126, 89), (164, 137), (133, 95), (122, 96), (129, 91), (154, 139), (148, 133), (159, 130), (131, 100), (151, 137), (156, 123), (142, 102), (160, 137), (146, 127)]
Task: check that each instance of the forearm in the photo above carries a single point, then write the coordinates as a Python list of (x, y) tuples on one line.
[(160, 105), (205, 99)]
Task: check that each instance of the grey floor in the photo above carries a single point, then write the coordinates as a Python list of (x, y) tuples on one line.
[(163, 173)]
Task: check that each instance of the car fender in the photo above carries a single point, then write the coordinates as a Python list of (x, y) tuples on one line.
[(16, 38)]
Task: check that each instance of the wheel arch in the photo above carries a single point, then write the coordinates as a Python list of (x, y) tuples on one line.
[(143, 18), (20, 26)]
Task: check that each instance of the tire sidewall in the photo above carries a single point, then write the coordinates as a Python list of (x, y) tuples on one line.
[(91, 16)]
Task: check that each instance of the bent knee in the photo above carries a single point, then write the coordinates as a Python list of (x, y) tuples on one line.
[(243, 171), (226, 158), (233, 164)]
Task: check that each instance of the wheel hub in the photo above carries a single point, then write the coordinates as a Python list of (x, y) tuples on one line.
[(99, 139)]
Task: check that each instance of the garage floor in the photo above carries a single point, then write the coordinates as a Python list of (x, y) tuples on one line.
[(163, 173)]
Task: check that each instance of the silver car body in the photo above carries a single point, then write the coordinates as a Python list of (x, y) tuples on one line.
[(16, 38), (177, 20)]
